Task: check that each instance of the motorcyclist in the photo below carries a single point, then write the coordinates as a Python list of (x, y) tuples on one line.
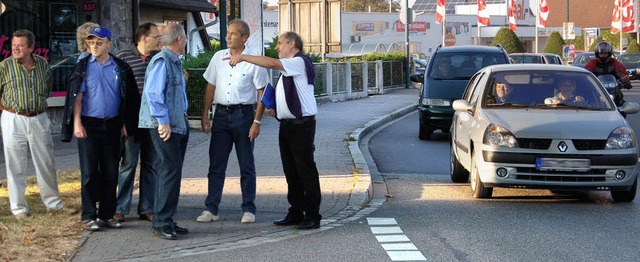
[(605, 64)]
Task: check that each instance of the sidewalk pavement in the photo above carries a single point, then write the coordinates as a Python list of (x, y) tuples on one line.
[(344, 180)]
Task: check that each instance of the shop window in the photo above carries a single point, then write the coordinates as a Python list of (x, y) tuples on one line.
[(54, 25)]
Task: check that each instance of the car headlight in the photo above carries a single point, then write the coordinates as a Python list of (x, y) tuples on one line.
[(497, 135), (436, 102), (621, 137)]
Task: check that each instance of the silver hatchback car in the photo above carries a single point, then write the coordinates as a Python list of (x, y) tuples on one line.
[(545, 127)]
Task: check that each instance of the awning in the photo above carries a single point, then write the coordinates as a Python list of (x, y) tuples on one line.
[(183, 5)]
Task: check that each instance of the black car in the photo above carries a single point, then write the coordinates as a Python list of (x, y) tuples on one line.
[(582, 59), (447, 73), (632, 63)]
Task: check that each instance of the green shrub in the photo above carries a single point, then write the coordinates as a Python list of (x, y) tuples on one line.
[(509, 41), (554, 44), (633, 48)]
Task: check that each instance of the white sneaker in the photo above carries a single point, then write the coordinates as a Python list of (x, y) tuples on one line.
[(207, 216), (248, 217)]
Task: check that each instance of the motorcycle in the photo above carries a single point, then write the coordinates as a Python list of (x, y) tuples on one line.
[(613, 87), (611, 84)]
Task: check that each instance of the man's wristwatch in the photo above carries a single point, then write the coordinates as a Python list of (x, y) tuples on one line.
[(257, 121)]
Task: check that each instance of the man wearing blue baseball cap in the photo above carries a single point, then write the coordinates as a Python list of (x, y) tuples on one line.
[(102, 105)]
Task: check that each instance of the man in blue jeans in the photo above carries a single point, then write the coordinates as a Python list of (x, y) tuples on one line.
[(147, 44), (163, 113), (234, 91)]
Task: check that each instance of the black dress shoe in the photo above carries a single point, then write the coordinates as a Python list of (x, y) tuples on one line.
[(180, 230), (287, 221), (309, 224), (165, 232)]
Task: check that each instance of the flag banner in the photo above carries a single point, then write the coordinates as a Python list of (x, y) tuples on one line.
[(544, 13), (440, 11), (483, 14), (512, 15), (623, 17)]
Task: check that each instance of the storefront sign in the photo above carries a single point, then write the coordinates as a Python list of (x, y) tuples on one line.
[(89, 7), (415, 27)]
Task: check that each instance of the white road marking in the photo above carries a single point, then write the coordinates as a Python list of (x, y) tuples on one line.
[(398, 247), (378, 221), (387, 232), (406, 256), (392, 238)]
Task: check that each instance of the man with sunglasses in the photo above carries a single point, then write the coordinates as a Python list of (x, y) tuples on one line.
[(147, 43), (102, 105)]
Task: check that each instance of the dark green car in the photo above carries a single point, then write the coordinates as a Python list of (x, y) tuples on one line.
[(448, 72)]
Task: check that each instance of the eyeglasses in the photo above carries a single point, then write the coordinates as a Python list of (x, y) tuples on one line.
[(95, 42)]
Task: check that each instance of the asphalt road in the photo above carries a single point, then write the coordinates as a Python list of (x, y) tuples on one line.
[(446, 224)]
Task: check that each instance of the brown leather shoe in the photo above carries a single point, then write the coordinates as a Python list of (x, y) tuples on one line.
[(147, 216), (119, 217)]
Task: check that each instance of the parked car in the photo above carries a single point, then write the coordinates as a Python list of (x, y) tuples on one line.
[(529, 58), (448, 71), (532, 141), (553, 58), (632, 63), (581, 59)]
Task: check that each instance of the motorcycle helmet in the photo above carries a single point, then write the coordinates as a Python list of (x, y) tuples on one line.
[(603, 47)]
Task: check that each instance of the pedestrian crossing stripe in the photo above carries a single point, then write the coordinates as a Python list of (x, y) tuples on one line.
[(397, 245)]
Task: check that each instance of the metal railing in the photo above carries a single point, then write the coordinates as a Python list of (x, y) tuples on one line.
[(334, 81)]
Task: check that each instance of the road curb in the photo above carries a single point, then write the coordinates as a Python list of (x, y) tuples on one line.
[(363, 188)]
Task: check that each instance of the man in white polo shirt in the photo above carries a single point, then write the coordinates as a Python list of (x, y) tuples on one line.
[(236, 122), (296, 109)]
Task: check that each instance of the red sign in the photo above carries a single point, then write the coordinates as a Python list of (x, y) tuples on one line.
[(415, 27), (89, 7), (449, 39)]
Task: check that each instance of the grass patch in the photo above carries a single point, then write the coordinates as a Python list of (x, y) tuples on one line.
[(42, 236)]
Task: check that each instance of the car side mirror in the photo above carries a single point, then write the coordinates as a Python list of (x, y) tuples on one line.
[(462, 105), (629, 108), (418, 78)]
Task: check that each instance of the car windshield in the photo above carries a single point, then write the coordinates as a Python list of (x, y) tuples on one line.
[(583, 58), (527, 59), (630, 58), (462, 65), (546, 90)]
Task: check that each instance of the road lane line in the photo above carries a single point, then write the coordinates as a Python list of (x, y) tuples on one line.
[(386, 230), (397, 245)]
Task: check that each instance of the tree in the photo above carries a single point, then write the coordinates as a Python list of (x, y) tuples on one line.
[(375, 5), (508, 40), (554, 44), (633, 48)]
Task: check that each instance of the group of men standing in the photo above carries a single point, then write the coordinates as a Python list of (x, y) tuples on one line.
[(135, 105)]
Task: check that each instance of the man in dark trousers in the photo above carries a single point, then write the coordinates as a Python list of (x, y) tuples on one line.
[(147, 44), (295, 109), (163, 114), (102, 105)]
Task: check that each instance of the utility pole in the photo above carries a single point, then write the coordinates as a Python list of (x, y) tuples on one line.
[(223, 23)]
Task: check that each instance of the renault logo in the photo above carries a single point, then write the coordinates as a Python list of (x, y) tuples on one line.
[(562, 146)]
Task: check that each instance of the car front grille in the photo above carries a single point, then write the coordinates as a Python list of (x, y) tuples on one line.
[(534, 143), (589, 144), (532, 174)]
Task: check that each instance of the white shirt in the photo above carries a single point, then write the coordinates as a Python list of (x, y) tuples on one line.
[(235, 85), (295, 67)]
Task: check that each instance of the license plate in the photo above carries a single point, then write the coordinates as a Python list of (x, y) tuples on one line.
[(561, 164)]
